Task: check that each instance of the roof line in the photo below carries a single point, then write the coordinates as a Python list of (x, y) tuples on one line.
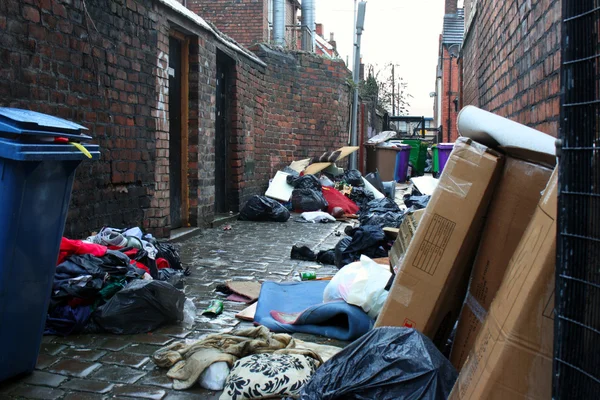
[(179, 8)]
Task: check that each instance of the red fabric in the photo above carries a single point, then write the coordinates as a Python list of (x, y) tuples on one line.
[(162, 263), (69, 247), (140, 266), (131, 253), (77, 301), (335, 198)]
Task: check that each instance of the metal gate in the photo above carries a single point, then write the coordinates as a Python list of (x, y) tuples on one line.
[(577, 322)]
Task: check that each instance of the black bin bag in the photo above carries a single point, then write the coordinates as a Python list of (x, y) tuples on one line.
[(386, 363), (261, 208), (141, 307)]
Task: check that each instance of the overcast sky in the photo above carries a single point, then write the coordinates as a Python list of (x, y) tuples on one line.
[(405, 32)]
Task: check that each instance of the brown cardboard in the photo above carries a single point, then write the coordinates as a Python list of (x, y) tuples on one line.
[(430, 285), (515, 200), (405, 234), (512, 356)]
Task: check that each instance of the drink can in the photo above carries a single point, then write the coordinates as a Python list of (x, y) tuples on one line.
[(308, 276), (214, 308)]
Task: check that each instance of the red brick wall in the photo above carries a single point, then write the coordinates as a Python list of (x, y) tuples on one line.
[(246, 21), (511, 61), (297, 109), (450, 91)]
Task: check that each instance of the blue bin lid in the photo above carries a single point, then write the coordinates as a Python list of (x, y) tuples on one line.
[(16, 121)]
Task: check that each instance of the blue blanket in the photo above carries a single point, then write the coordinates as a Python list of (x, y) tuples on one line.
[(298, 307)]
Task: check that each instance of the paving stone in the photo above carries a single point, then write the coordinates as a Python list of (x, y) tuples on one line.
[(37, 392), (173, 330), (157, 377), (41, 378), (45, 360), (83, 396), (149, 338), (113, 373), (88, 385), (144, 349), (125, 359), (78, 341), (112, 344), (192, 394), (139, 392), (52, 348), (82, 354), (79, 369)]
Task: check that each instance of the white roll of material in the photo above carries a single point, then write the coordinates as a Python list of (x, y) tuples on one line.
[(493, 130)]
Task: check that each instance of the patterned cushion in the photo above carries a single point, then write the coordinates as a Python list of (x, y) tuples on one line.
[(266, 375)]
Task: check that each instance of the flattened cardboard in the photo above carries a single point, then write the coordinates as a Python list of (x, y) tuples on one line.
[(247, 314), (430, 285), (318, 167), (249, 289), (515, 200), (405, 234), (512, 356)]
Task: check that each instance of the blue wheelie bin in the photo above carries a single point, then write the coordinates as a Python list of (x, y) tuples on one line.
[(38, 157)]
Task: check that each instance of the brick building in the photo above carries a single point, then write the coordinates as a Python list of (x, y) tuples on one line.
[(247, 21), (189, 123), (447, 95), (511, 60)]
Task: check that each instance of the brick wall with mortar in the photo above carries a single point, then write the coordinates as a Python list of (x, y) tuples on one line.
[(450, 92), (511, 60), (246, 21), (305, 103), (94, 69), (107, 71)]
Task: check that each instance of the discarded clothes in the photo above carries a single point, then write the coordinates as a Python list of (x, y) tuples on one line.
[(70, 247), (335, 199), (66, 320), (298, 307), (188, 361), (385, 364), (326, 257), (141, 306), (261, 208), (417, 202), (316, 217)]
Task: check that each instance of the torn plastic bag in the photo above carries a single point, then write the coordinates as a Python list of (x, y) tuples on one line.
[(308, 200), (361, 197), (261, 208), (353, 177), (383, 220), (382, 205), (170, 252), (386, 363), (367, 240), (417, 202), (326, 182), (141, 307), (304, 182), (362, 284), (175, 278)]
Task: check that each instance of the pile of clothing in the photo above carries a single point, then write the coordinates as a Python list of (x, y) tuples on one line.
[(118, 281)]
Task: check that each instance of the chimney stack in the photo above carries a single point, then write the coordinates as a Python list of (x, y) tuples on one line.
[(332, 41), (319, 29), (451, 7)]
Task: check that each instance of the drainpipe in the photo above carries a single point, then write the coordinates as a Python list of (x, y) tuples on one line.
[(360, 24), (279, 22), (308, 25)]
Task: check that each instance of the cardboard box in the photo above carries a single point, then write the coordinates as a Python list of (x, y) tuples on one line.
[(515, 200), (406, 232), (430, 285), (512, 356)]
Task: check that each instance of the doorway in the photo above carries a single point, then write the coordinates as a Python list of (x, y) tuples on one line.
[(178, 129), (224, 201)]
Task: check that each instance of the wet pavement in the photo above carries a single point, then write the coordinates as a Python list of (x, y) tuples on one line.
[(118, 366)]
